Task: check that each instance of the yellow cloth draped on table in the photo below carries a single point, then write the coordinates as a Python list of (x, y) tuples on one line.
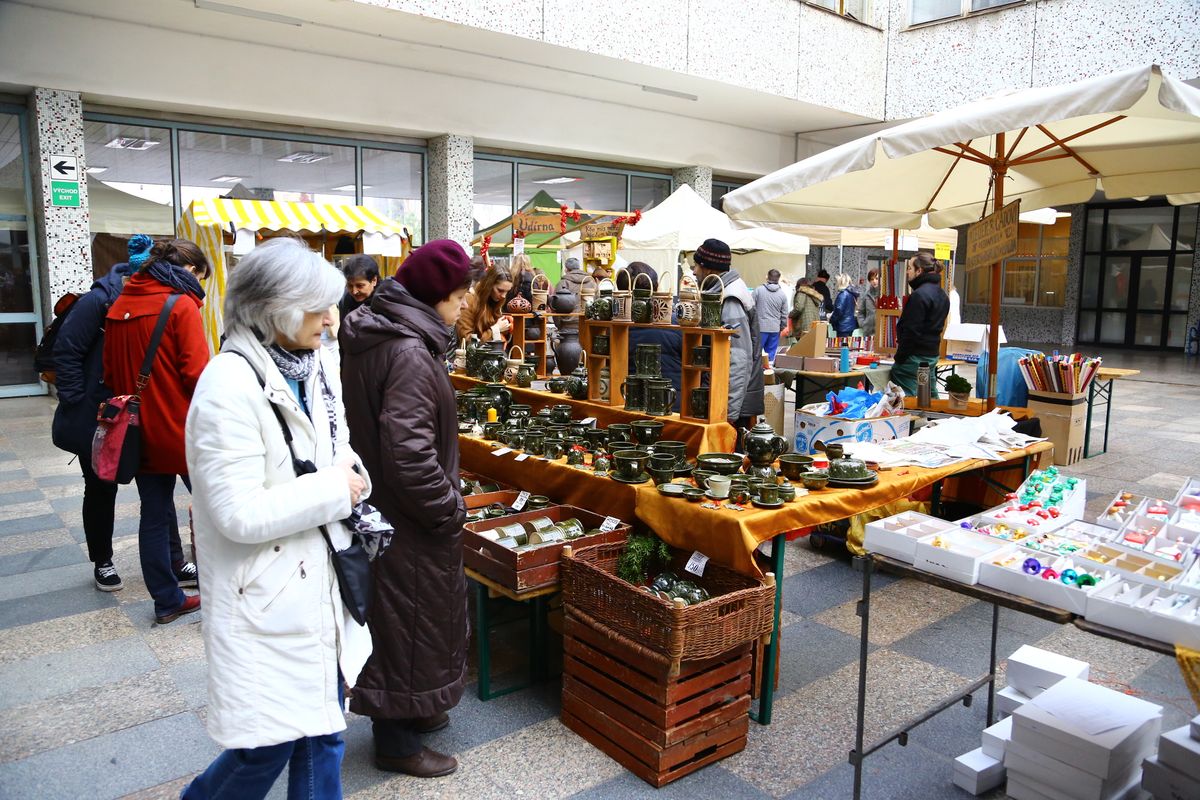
[(1189, 665)]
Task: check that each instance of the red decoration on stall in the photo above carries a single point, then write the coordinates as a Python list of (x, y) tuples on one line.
[(563, 213), (483, 250), (887, 302)]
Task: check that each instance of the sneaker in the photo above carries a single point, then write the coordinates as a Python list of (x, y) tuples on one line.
[(186, 574), (191, 603), (107, 579)]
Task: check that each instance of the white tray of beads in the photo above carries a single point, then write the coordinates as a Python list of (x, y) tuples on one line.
[(1119, 510), (955, 554), (1152, 611), (897, 535), (1059, 581)]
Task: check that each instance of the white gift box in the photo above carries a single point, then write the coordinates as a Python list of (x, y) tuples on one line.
[(1092, 728), (959, 560), (897, 536), (1009, 700), (1052, 592), (1021, 788), (1178, 750), (1061, 779), (996, 738), (1032, 670), (977, 772), (1165, 783), (1147, 611)]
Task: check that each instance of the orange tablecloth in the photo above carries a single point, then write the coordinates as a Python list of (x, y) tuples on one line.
[(561, 483), (718, 437), (730, 537)]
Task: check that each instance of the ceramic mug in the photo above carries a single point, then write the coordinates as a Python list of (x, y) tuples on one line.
[(663, 461), (620, 432), (660, 397), (700, 402), (676, 449), (768, 493), (535, 443), (630, 464), (647, 359), (600, 344), (718, 485), (634, 392), (647, 431), (561, 414), (554, 449), (701, 355)]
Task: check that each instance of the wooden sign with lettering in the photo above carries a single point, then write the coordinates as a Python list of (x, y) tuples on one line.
[(993, 238), (536, 223), (602, 230)]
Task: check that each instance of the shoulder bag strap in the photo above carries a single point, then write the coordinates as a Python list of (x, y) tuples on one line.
[(287, 436), (160, 328)]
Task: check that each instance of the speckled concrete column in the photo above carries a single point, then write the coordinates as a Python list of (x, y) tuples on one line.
[(1070, 317), (699, 178), (64, 249), (451, 187)]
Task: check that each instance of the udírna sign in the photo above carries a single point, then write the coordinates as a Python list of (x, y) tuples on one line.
[(993, 238)]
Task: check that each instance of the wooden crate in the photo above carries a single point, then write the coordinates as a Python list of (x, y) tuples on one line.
[(535, 568), (660, 728)]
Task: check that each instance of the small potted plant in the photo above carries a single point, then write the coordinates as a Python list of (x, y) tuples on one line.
[(959, 389)]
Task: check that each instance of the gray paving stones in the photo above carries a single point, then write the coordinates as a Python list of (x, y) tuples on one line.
[(52, 674)]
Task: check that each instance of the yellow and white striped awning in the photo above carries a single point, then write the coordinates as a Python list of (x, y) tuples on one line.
[(279, 215)]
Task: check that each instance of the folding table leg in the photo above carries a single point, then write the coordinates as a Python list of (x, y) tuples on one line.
[(483, 639), (864, 613), (766, 699)]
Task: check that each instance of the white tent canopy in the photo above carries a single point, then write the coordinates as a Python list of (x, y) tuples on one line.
[(1133, 133)]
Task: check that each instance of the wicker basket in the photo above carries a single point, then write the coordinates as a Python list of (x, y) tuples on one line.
[(741, 609)]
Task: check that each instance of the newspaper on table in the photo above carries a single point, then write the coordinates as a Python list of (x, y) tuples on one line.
[(948, 441)]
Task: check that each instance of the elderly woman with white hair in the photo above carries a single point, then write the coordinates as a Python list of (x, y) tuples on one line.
[(278, 639)]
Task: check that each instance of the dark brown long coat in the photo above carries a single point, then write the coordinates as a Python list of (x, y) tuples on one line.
[(402, 416)]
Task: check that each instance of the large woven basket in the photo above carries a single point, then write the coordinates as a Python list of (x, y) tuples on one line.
[(741, 608)]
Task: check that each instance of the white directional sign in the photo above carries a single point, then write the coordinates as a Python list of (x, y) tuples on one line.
[(64, 181)]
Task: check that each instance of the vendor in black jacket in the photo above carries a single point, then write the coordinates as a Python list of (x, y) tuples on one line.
[(919, 331)]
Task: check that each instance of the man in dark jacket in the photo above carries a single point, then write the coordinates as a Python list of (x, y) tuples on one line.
[(919, 331), (821, 284)]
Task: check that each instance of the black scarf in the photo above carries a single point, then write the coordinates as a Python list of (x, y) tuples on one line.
[(176, 277)]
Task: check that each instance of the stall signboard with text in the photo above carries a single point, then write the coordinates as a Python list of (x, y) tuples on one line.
[(993, 238)]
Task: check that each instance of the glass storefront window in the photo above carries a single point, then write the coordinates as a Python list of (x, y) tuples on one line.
[(393, 186), (1052, 282), (1020, 282), (257, 168), (493, 192), (17, 344), (1181, 285), (574, 188), (646, 193), (1095, 230), (1141, 228), (1091, 281), (1186, 238), (16, 276), (1037, 275), (1087, 326)]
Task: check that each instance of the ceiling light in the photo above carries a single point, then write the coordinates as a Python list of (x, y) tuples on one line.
[(227, 179), (349, 187), (303, 157), (96, 170), (670, 93), (132, 143), (559, 179)]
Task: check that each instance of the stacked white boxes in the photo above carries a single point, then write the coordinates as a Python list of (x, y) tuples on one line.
[(1175, 773)]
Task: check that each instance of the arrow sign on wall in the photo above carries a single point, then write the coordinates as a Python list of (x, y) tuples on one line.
[(64, 168), (64, 181)]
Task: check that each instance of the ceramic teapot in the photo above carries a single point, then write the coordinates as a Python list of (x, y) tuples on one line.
[(563, 301), (762, 445), (577, 381), (497, 397)]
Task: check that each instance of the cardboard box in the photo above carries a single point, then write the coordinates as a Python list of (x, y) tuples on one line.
[(978, 773), (1032, 670), (1064, 420), (812, 428), (996, 738), (789, 361), (1074, 735), (968, 339), (1168, 784), (1009, 700), (1179, 751), (812, 342), (1062, 778), (897, 536), (821, 364), (961, 560)]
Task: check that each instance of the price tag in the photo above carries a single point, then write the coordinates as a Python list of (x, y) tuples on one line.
[(502, 451), (587, 421), (521, 457), (521, 500), (609, 524), (696, 563)]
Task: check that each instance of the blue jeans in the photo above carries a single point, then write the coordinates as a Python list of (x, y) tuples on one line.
[(770, 343), (158, 540), (314, 771)]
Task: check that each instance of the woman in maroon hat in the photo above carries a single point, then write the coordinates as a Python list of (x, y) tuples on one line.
[(403, 422)]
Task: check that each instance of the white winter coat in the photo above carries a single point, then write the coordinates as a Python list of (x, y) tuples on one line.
[(274, 626)]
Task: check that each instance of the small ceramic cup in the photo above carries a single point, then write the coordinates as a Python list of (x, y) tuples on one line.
[(768, 493), (718, 485), (663, 461)]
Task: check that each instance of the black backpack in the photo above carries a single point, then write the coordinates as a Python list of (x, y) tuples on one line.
[(43, 356)]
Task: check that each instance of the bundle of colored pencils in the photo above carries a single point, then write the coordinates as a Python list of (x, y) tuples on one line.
[(1064, 374)]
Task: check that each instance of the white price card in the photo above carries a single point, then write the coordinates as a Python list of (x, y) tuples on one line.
[(587, 421), (521, 457), (502, 451), (521, 500), (696, 563), (609, 524)]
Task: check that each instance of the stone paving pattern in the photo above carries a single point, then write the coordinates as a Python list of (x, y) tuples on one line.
[(98, 702)]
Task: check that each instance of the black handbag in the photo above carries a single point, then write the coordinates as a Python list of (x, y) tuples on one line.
[(352, 566)]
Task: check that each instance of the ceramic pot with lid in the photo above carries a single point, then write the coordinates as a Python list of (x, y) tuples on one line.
[(762, 445)]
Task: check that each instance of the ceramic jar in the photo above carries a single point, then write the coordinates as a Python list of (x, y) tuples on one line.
[(525, 375), (540, 292), (711, 299), (633, 390), (567, 350), (492, 365), (762, 445)]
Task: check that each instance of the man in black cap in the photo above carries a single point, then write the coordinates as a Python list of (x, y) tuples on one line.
[(737, 312), (821, 284)]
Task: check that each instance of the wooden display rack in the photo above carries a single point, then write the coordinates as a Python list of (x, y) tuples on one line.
[(539, 346), (885, 320), (617, 362)]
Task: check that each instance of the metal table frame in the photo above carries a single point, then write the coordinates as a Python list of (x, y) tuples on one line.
[(1098, 390)]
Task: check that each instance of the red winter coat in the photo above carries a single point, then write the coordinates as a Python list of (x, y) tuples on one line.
[(182, 356)]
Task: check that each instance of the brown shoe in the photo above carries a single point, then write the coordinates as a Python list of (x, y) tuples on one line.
[(425, 764), (190, 605), (431, 724)]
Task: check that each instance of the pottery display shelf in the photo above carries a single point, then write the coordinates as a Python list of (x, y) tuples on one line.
[(617, 362), (537, 346)]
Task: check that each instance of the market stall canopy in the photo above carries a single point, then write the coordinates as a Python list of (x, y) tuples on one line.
[(205, 222), (1134, 133)]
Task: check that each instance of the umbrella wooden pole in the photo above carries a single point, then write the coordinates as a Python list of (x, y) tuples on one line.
[(999, 168)]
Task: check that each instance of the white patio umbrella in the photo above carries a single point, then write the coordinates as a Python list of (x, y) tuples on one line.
[(1134, 133)]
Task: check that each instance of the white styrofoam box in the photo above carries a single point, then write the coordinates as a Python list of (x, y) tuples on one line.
[(1060, 778), (1189, 494), (1165, 783), (1076, 732), (978, 773), (1187, 518), (1019, 788), (1119, 510), (897, 536), (1127, 606), (1032, 670), (968, 338), (1178, 750), (1009, 700), (960, 561), (1014, 580), (996, 738), (1195, 726), (812, 428)]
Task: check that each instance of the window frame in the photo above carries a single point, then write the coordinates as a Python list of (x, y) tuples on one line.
[(964, 11), (840, 9), (985, 274)]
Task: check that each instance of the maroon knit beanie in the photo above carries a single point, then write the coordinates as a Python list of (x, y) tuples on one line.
[(434, 270)]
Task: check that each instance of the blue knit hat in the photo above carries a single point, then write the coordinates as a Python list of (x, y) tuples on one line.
[(139, 249)]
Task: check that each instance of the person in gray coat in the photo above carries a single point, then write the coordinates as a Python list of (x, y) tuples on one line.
[(738, 313), (573, 277), (864, 313), (771, 304)]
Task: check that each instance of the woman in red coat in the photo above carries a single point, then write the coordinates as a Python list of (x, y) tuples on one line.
[(174, 267)]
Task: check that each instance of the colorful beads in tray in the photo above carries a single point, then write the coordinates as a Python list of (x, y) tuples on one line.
[(1046, 488), (1123, 506)]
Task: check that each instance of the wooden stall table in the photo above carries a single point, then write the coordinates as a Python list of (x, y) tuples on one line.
[(731, 537), (1101, 388), (719, 437), (975, 407), (485, 589)]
